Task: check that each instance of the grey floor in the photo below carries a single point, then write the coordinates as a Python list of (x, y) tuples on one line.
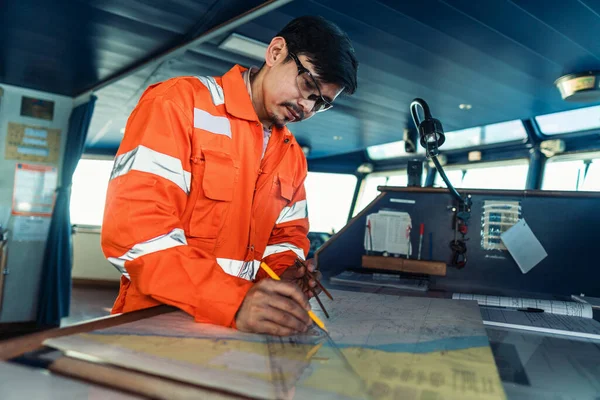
[(89, 303)]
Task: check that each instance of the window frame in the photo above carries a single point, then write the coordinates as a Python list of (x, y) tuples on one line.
[(363, 185), (486, 146), (351, 201), (419, 153), (581, 133), (574, 156), (481, 165), (87, 228)]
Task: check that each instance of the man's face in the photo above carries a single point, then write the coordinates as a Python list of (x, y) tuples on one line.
[(283, 99)]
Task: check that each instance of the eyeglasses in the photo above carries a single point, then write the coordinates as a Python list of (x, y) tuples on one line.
[(309, 89)]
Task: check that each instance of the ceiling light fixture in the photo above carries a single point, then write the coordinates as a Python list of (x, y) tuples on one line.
[(465, 106), (244, 46), (365, 168), (337, 138), (582, 87)]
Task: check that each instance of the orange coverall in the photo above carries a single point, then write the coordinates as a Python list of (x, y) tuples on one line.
[(191, 207)]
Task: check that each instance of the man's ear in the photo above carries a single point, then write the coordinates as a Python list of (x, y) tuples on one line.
[(276, 52)]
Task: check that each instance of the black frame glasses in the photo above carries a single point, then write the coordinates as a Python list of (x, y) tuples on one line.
[(309, 88)]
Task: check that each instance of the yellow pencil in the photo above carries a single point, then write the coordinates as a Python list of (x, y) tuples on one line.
[(311, 314)]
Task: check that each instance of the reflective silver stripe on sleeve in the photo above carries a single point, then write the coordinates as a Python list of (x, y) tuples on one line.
[(211, 123), (216, 91), (145, 159), (119, 266), (281, 247), (297, 211), (172, 239), (242, 269)]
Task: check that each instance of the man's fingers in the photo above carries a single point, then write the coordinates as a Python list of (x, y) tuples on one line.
[(313, 282), (300, 271), (293, 273), (314, 288), (274, 307), (292, 312), (290, 290), (284, 319)]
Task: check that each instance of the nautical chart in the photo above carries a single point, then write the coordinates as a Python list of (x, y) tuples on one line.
[(380, 346), (384, 321), (415, 347)]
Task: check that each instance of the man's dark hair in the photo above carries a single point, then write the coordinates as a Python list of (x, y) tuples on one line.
[(326, 46)]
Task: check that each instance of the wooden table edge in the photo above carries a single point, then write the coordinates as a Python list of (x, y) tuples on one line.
[(17, 346)]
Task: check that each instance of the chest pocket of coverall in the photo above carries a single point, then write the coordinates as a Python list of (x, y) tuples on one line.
[(286, 189), (282, 192), (213, 177)]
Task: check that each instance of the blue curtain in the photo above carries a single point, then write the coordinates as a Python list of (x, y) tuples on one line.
[(55, 285)]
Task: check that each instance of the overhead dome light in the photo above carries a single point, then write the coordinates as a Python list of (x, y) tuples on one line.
[(582, 88), (365, 168)]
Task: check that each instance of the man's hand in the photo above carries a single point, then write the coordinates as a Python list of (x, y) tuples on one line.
[(296, 273), (274, 308)]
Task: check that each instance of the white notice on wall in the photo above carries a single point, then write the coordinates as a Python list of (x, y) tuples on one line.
[(34, 191), (522, 244), (388, 231), (30, 229)]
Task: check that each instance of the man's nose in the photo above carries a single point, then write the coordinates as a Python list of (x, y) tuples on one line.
[(307, 105)]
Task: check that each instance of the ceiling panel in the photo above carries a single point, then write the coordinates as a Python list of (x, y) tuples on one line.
[(500, 56)]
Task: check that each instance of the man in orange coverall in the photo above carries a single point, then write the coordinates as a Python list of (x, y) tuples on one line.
[(208, 182)]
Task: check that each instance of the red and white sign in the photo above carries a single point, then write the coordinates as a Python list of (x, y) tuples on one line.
[(34, 190)]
